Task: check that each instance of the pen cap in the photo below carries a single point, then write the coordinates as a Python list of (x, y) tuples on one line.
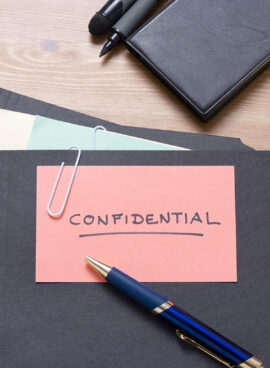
[(135, 290)]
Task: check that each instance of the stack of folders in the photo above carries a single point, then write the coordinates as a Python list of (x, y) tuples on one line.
[(200, 209)]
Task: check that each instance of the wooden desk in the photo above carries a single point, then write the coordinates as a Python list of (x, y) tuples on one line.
[(46, 52)]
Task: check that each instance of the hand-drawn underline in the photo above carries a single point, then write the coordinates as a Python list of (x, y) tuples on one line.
[(139, 233)]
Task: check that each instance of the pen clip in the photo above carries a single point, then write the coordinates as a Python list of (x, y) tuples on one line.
[(183, 337)]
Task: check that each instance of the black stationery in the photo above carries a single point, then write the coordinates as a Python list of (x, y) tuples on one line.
[(206, 51), (73, 324)]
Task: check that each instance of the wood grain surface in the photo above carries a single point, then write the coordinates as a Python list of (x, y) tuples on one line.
[(47, 53)]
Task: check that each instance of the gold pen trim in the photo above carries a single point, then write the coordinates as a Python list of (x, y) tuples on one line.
[(202, 348), (162, 307), (253, 362)]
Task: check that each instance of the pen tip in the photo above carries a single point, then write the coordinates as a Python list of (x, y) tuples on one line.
[(106, 48), (103, 52), (101, 268)]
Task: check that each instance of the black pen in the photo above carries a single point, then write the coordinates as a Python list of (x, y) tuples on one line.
[(189, 328), (108, 15), (128, 23)]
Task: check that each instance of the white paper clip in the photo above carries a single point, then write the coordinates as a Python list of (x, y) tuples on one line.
[(69, 186), (99, 127)]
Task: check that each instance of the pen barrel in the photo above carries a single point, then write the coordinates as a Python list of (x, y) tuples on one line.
[(143, 295), (209, 340), (190, 328), (127, 4), (134, 17), (114, 9)]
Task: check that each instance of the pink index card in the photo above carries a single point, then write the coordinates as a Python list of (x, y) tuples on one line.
[(156, 223)]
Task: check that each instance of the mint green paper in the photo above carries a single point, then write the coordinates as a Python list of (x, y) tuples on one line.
[(49, 134)]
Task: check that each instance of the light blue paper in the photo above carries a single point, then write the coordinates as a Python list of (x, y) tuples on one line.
[(49, 134)]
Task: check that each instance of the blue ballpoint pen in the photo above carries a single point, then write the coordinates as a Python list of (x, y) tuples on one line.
[(189, 328)]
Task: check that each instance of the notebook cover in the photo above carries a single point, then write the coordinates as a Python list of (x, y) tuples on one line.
[(206, 51), (204, 142), (92, 325)]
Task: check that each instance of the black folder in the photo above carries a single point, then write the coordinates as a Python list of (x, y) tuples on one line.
[(92, 325), (206, 51), (203, 142)]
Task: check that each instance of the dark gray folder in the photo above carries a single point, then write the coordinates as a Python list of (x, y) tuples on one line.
[(92, 325), (16, 102)]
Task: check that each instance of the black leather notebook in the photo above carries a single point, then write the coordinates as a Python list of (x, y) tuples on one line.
[(206, 51)]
